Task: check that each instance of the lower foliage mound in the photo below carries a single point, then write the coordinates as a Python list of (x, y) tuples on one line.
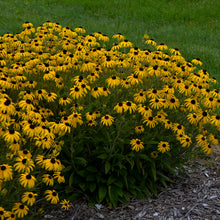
[(93, 116)]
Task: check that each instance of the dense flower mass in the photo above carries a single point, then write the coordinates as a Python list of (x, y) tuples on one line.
[(56, 82)]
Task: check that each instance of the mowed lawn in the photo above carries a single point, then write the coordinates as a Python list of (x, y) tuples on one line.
[(192, 26)]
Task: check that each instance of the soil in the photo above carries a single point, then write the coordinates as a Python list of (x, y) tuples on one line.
[(196, 195)]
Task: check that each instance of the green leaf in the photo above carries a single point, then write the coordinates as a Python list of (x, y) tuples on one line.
[(153, 170), (92, 187), (102, 193), (113, 196), (103, 156), (71, 179), (107, 167), (83, 186), (126, 181), (92, 169), (144, 157), (68, 168), (111, 180), (90, 177), (80, 161)]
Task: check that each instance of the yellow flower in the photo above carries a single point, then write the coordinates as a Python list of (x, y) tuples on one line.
[(163, 146), (3, 213), (59, 177), (113, 81), (119, 108), (52, 164), (107, 120), (20, 210), (154, 154), (29, 197), (52, 196), (136, 144), (6, 172), (11, 135), (24, 164), (139, 129), (27, 180), (65, 204), (48, 179)]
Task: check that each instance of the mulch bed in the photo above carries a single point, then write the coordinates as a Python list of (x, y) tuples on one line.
[(194, 196)]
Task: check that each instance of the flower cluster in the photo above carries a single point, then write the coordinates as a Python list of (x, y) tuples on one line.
[(54, 80)]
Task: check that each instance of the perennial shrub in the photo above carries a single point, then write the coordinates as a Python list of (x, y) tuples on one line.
[(109, 118)]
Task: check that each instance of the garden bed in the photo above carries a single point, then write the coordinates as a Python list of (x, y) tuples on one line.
[(195, 195)]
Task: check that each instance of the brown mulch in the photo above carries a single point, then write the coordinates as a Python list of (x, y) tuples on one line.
[(194, 196)]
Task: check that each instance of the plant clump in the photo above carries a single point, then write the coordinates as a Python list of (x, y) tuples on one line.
[(93, 116)]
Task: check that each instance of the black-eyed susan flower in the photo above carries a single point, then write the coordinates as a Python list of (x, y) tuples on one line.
[(215, 120), (48, 179), (96, 92), (204, 116), (105, 91), (173, 102), (75, 119), (125, 83), (52, 196), (24, 164), (167, 124), (64, 101), (3, 213), (24, 153), (213, 139), (113, 81), (39, 159), (139, 129), (20, 210), (162, 46), (6, 105), (201, 140), (139, 97), (76, 92), (154, 154), (6, 172), (150, 121), (26, 105), (136, 144), (52, 164), (157, 103), (27, 180), (207, 148), (29, 198), (107, 120), (91, 123), (10, 215), (125, 43), (151, 42), (177, 128), (197, 61), (65, 204), (59, 177), (193, 118), (118, 36), (163, 146), (11, 135), (50, 97), (185, 141), (119, 108), (153, 93), (129, 106), (144, 110), (134, 79)]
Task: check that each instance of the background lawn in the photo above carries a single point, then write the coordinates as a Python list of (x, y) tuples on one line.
[(192, 26)]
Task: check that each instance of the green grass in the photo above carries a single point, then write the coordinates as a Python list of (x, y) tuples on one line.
[(192, 26)]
